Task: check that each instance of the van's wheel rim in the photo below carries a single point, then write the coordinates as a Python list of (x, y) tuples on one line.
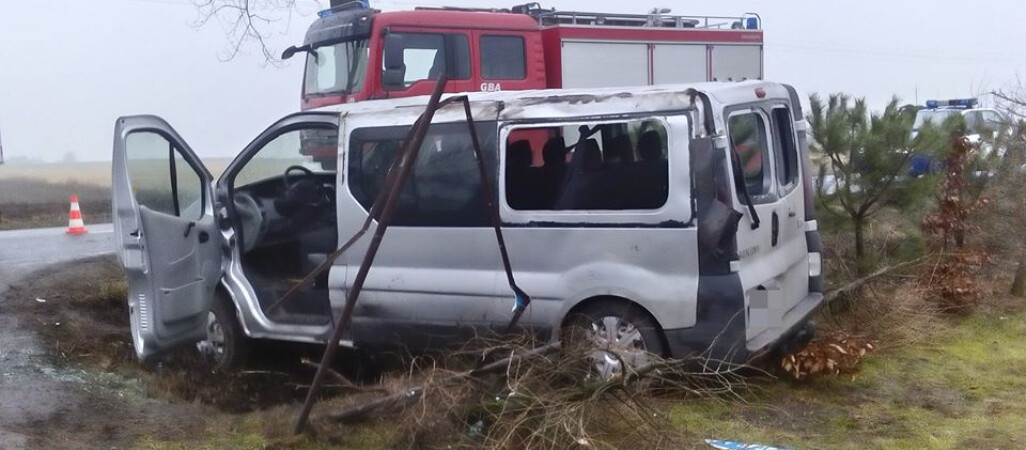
[(617, 342), (215, 342)]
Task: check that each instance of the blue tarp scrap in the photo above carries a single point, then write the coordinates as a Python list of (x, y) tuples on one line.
[(731, 445)]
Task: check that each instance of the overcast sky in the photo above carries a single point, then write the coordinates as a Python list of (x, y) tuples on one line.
[(69, 68)]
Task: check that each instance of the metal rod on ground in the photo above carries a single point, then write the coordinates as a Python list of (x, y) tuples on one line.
[(409, 156), (410, 394)]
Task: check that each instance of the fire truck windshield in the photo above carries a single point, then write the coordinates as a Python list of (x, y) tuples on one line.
[(337, 69)]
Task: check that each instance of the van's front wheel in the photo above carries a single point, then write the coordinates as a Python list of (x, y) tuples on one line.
[(614, 336), (226, 347)]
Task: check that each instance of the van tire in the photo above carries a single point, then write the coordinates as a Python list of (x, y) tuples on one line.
[(226, 348), (605, 314)]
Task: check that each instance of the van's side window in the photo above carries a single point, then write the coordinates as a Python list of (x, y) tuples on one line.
[(162, 180), (503, 57), (749, 140), (612, 166), (424, 56), (787, 149), (445, 186)]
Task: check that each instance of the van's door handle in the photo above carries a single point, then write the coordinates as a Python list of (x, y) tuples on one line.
[(134, 234), (188, 229), (791, 214), (774, 229)]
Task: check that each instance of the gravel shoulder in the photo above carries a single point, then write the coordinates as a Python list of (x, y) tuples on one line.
[(49, 403)]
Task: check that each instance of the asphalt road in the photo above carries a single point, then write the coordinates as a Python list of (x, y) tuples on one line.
[(31, 389), (22, 251)]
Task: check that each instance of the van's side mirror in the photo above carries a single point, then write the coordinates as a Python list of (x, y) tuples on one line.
[(393, 78)]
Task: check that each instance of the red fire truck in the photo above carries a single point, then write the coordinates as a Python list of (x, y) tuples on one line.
[(356, 53)]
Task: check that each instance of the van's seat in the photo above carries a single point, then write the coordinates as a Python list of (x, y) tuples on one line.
[(649, 186)]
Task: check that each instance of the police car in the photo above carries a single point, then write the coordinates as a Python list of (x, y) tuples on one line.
[(980, 124)]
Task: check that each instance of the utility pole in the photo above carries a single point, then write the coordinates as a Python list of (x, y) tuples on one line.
[(1, 149)]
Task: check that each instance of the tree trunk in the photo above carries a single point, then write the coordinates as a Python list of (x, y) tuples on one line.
[(1019, 283), (861, 264)]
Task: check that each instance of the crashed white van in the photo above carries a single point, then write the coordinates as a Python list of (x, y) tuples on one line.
[(673, 219)]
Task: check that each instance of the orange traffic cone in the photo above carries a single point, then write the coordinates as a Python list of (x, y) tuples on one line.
[(75, 223)]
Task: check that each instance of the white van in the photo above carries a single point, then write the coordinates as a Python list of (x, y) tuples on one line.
[(671, 219)]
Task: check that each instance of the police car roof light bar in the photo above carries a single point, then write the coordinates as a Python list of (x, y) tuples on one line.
[(355, 4), (962, 103)]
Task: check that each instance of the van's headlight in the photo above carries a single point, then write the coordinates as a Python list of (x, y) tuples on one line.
[(815, 264)]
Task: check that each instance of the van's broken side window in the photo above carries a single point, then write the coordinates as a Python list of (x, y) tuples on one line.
[(609, 166)]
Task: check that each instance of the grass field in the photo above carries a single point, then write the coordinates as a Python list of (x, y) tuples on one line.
[(37, 195)]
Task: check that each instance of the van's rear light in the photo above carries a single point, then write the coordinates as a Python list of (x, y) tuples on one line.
[(815, 264)]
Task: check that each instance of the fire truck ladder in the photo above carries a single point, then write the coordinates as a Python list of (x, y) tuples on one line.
[(658, 18)]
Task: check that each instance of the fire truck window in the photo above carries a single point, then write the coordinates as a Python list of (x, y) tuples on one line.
[(748, 139), (424, 56), (787, 150), (616, 166), (444, 188), (503, 58), (459, 48)]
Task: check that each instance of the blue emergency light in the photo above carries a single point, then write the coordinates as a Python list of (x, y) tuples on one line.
[(963, 103), (355, 4)]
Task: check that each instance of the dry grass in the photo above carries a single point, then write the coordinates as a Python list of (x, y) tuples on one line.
[(546, 401), (96, 173), (29, 203), (37, 195)]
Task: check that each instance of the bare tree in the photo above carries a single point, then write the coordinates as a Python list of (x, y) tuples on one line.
[(251, 22), (1008, 224), (1012, 99)]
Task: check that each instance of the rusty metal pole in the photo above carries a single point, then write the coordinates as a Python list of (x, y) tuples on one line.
[(491, 202), (409, 156)]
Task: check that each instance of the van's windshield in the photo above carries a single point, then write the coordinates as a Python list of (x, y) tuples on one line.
[(337, 69)]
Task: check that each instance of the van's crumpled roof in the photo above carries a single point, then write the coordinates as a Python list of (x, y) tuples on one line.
[(555, 103)]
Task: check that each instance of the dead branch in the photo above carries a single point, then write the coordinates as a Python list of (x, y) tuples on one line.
[(342, 379), (858, 283), (245, 21), (410, 394)]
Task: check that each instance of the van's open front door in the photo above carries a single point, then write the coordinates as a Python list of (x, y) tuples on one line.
[(166, 234)]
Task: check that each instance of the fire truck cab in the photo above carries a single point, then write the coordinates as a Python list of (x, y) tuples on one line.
[(356, 53)]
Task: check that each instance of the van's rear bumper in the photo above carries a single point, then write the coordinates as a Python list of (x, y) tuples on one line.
[(792, 320), (719, 330)]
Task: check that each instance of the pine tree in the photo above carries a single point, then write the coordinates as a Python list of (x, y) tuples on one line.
[(868, 156)]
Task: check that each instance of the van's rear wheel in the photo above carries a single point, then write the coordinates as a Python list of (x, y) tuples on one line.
[(226, 347), (614, 336)]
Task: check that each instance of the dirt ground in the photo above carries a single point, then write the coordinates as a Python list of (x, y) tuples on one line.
[(50, 402), (69, 379)]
